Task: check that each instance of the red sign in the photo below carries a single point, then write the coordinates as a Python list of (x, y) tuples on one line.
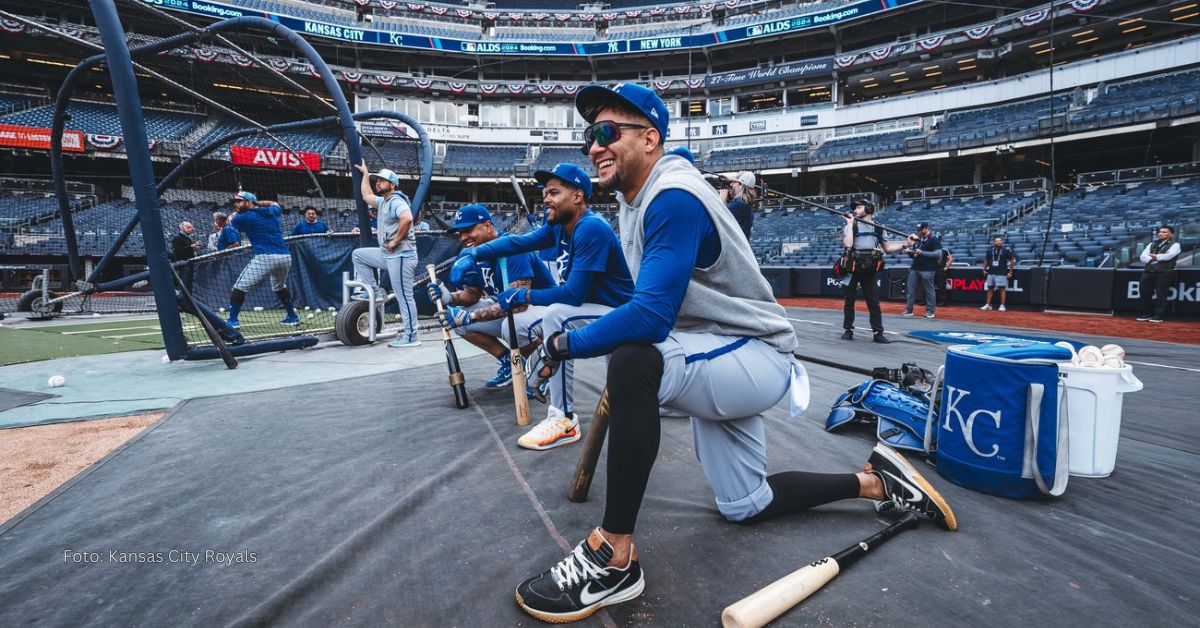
[(274, 158), (34, 137)]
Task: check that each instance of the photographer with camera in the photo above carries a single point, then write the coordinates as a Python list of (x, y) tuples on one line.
[(741, 198), (862, 259)]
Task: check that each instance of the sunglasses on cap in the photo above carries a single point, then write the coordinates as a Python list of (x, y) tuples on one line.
[(604, 133)]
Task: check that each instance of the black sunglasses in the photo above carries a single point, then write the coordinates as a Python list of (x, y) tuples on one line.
[(604, 133)]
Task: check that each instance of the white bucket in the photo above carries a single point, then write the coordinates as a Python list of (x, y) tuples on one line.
[(1093, 404)]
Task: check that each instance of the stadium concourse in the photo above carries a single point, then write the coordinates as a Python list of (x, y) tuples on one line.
[(267, 495)]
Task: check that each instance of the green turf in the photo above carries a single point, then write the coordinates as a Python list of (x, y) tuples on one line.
[(44, 343)]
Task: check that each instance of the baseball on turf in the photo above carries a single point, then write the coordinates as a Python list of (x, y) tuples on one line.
[(56, 381), (258, 308), (310, 315)]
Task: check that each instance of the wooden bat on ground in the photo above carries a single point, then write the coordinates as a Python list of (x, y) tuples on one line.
[(457, 381), (514, 357), (773, 600), (581, 482)]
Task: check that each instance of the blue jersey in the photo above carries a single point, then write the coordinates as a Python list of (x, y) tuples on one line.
[(263, 227), (555, 254), (304, 227), (228, 238), (593, 268), (679, 238), (521, 266)]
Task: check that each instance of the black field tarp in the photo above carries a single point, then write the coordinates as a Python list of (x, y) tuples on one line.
[(376, 502)]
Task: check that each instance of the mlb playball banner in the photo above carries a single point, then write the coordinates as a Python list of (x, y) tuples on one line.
[(273, 158)]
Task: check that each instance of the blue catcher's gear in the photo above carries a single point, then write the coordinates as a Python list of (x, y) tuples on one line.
[(903, 417), (465, 273)]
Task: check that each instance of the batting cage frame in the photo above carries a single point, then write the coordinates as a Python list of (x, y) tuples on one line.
[(119, 58)]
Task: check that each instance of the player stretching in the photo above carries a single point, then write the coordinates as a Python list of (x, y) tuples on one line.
[(397, 250), (596, 279), (261, 223), (472, 312), (702, 334)]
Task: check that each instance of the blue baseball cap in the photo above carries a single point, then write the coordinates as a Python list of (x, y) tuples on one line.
[(592, 98), (468, 216), (244, 196), (571, 174), (684, 152)]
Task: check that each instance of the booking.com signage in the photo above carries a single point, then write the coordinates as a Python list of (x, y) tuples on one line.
[(651, 44)]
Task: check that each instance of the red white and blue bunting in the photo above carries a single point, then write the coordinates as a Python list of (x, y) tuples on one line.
[(362, 3), (633, 13), (12, 26), (206, 55), (1084, 6), (388, 4), (545, 88), (353, 78), (563, 17), (241, 60), (931, 43), (979, 32), (683, 10), (439, 10), (491, 16), (515, 88), (879, 54), (1035, 18), (413, 6), (516, 17), (732, 4), (587, 17), (695, 83), (457, 87), (385, 80), (463, 13), (608, 17), (658, 11), (662, 85), (422, 83), (488, 88), (570, 89), (103, 142), (845, 61), (537, 17), (279, 64)]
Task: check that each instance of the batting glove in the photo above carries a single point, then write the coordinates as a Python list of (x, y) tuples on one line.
[(438, 291), (550, 357), (456, 317), (464, 272), (513, 299)]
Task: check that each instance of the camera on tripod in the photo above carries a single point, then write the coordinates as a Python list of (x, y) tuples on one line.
[(909, 376)]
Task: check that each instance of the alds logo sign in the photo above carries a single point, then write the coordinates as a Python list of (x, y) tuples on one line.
[(273, 158)]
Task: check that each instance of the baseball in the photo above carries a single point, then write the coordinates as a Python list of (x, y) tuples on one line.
[(56, 381), (1113, 350), (310, 315), (258, 308), (221, 310), (1090, 356), (166, 359), (1112, 362), (1069, 347)]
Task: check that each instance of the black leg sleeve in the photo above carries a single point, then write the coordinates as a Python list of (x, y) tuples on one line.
[(634, 376), (799, 490)]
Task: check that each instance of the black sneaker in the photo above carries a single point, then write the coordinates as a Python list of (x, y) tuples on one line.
[(1144, 318), (581, 583), (848, 334), (906, 489), (881, 339), (1155, 320)]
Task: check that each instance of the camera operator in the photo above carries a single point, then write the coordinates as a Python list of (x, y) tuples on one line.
[(863, 258), (741, 198)]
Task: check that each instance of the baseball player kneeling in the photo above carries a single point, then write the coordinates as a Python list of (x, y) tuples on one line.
[(701, 334), (472, 312), (595, 280)]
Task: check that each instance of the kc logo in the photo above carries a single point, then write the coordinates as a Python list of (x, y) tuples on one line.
[(953, 397)]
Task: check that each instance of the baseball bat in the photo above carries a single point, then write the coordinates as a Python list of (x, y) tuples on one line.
[(457, 381), (773, 600), (218, 342), (514, 357), (581, 482)]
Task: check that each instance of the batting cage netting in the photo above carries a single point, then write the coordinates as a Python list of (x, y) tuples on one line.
[(240, 107)]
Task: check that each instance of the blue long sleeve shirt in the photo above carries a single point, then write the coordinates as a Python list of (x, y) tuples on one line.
[(679, 237)]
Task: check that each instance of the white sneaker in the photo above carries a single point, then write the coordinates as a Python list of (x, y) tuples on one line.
[(556, 430), (907, 314), (930, 315), (986, 307), (1003, 309)]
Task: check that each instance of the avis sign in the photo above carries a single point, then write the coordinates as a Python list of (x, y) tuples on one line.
[(274, 158)]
